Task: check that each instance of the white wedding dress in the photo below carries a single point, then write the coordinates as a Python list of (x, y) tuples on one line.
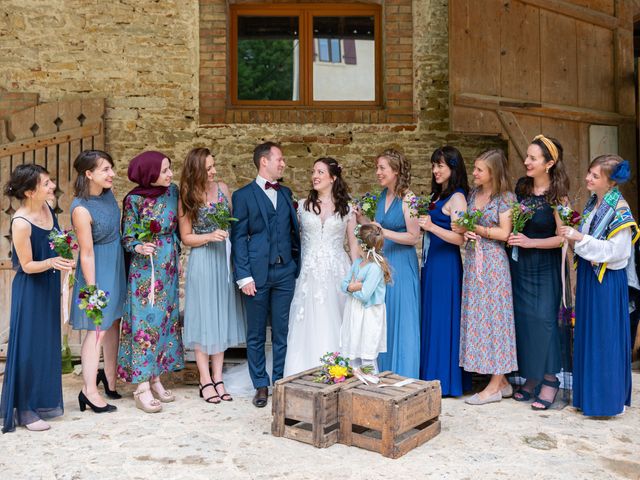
[(318, 302)]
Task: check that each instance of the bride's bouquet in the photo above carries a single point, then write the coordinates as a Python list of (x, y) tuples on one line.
[(336, 369)]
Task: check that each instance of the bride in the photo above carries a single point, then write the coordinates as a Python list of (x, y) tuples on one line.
[(318, 302)]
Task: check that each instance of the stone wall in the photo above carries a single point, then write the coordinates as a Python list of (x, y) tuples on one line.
[(143, 58)]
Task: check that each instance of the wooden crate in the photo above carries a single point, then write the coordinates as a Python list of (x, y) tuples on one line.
[(389, 420), (305, 410)]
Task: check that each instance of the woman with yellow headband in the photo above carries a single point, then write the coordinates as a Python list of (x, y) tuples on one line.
[(603, 244), (535, 276)]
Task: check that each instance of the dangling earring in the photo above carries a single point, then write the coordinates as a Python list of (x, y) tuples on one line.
[(547, 169)]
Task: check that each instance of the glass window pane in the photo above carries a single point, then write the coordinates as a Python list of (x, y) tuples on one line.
[(349, 71), (268, 58), (323, 49)]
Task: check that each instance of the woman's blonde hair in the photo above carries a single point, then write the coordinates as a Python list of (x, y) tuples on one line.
[(402, 167), (496, 162), (372, 240)]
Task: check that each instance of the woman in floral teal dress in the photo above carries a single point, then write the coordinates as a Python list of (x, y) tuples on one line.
[(151, 343)]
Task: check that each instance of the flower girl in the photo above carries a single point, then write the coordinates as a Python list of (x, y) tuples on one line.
[(363, 334)]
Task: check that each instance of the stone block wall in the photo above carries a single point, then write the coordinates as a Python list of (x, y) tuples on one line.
[(144, 58)]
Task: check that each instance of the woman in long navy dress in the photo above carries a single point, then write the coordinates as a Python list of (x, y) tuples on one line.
[(401, 233), (32, 386), (603, 245), (535, 276), (441, 282)]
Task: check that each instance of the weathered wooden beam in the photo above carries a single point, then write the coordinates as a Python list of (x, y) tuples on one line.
[(44, 141), (583, 14), (513, 129), (541, 109)]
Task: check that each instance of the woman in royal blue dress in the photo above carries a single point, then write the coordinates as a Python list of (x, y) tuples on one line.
[(603, 245), (96, 220), (401, 233), (441, 282), (32, 385), (150, 342)]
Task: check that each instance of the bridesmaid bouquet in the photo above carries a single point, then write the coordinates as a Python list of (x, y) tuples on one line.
[(568, 216), (521, 213), (63, 242), (368, 203), (468, 220), (220, 214), (93, 301), (336, 369), (146, 230), (420, 206)]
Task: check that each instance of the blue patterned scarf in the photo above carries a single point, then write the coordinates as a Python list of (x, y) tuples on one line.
[(609, 219)]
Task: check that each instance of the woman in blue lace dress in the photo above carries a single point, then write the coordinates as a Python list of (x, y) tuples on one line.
[(214, 317), (96, 219), (32, 385), (150, 342)]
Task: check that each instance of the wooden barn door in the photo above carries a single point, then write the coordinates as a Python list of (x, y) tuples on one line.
[(559, 67), (51, 135)]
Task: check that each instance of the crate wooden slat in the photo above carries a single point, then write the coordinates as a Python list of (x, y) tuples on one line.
[(389, 420), (307, 411)]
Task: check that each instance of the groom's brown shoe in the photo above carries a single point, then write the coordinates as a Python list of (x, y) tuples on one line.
[(260, 398)]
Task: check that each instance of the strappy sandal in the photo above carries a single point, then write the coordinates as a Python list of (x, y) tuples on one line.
[(545, 403), (154, 406), (222, 397), (212, 397), (524, 395)]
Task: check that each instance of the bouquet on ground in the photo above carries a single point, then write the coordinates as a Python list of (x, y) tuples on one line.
[(469, 220), (368, 204), (420, 206), (93, 301), (336, 369), (220, 214), (521, 213)]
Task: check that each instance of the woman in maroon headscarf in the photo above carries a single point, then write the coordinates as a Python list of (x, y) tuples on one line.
[(150, 343)]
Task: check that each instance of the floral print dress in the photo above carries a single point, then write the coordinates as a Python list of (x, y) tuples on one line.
[(487, 331), (150, 340)]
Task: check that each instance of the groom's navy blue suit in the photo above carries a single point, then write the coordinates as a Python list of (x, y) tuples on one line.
[(266, 246)]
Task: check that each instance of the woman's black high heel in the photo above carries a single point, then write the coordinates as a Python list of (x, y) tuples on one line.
[(83, 401), (102, 377)]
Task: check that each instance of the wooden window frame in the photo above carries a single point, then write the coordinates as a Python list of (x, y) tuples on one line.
[(305, 13)]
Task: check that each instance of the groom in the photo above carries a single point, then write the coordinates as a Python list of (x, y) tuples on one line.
[(266, 246)]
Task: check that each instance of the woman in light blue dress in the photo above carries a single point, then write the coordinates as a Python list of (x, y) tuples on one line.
[(150, 342), (96, 219), (214, 317), (401, 233)]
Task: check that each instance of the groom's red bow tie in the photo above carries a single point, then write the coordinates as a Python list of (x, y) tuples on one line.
[(275, 186)]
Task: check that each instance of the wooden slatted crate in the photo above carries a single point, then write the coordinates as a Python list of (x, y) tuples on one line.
[(389, 420), (305, 410)]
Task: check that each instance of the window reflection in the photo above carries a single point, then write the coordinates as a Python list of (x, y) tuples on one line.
[(268, 58), (344, 56)]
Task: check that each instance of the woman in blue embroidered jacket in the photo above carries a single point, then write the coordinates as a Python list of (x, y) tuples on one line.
[(603, 246)]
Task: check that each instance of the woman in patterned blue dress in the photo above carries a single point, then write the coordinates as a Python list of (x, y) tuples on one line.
[(32, 385), (401, 233), (441, 283), (151, 343), (214, 317), (96, 219)]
